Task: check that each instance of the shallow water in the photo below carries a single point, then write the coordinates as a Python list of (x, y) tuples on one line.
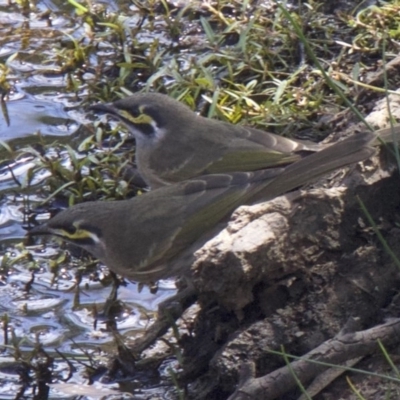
[(49, 313)]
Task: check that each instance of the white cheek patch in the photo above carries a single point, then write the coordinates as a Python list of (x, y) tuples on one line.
[(148, 140), (95, 238), (99, 249), (159, 132)]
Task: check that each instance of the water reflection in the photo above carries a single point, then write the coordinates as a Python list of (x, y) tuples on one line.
[(27, 116)]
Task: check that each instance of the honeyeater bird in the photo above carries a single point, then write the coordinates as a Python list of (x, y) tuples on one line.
[(174, 144), (154, 236)]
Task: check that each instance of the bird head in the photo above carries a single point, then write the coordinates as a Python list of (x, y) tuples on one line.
[(149, 116), (75, 226)]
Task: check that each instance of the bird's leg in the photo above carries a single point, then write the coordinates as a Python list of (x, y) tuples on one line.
[(168, 312), (112, 305)]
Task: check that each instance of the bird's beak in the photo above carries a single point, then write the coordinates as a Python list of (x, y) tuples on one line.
[(104, 108), (43, 229)]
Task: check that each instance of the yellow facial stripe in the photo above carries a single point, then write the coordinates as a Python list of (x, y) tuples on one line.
[(79, 234), (140, 119)]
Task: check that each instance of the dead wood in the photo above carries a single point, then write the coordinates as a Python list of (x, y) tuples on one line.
[(342, 348)]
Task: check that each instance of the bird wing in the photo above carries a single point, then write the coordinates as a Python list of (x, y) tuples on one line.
[(199, 206), (211, 198), (245, 159), (275, 142), (249, 149)]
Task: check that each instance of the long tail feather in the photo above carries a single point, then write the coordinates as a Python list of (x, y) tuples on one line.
[(351, 150)]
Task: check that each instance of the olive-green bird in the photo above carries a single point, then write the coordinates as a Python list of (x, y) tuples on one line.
[(174, 144), (154, 236)]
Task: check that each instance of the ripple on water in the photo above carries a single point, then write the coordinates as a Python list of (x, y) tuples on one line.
[(31, 115), (39, 101)]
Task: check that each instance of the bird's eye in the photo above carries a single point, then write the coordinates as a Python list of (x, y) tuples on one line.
[(136, 111), (70, 229)]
